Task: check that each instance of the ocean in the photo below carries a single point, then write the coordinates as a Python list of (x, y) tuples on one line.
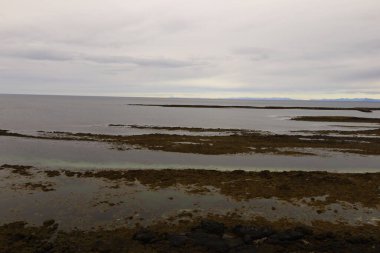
[(29, 114)]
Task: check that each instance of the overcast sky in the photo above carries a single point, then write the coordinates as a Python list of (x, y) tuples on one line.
[(197, 48)]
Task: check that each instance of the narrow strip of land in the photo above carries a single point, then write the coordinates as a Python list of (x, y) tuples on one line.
[(186, 129), (234, 143), (361, 109), (337, 119)]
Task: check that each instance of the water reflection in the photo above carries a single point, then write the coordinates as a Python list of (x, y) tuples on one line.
[(91, 202), (71, 154)]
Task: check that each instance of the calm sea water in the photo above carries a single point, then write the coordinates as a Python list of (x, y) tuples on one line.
[(28, 114)]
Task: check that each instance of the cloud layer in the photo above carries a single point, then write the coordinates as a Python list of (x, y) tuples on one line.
[(224, 48)]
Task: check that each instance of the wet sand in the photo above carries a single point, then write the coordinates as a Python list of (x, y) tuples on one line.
[(187, 210)]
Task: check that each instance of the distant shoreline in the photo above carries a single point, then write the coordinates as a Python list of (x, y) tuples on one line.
[(361, 109)]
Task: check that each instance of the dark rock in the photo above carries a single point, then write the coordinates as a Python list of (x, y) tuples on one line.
[(48, 223), (245, 249), (177, 240), (305, 230), (18, 237), (234, 242), (212, 242), (265, 174), (199, 235), (289, 235), (247, 238), (359, 240), (331, 245), (325, 236), (252, 233), (47, 247), (145, 236), (213, 227)]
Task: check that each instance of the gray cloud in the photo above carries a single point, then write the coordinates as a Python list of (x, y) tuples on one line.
[(254, 53), (46, 55), (164, 63), (196, 48), (39, 55), (363, 75)]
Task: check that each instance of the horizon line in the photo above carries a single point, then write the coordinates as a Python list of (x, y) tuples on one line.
[(210, 98)]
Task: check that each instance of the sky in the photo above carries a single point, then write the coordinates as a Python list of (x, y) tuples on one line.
[(304, 49)]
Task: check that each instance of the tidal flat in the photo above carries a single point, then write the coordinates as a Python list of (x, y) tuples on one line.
[(61, 210)]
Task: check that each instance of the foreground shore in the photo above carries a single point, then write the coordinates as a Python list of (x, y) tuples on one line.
[(221, 234), (45, 210)]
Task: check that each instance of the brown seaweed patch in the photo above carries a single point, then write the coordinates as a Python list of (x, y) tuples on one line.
[(108, 203), (18, 169), (45, 186), (8, 133), (241, 185), (52, 173), (234, 143), (17, 237), (252, 142), (367, 132)]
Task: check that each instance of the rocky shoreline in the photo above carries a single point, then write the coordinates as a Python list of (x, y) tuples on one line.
[(206, 235)]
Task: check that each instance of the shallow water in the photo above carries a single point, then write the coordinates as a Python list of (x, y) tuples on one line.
[(87, 203), (28, 114), (92, 155)]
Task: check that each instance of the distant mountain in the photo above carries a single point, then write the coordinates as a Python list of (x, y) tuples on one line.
[(322, 100), (272, 99)]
